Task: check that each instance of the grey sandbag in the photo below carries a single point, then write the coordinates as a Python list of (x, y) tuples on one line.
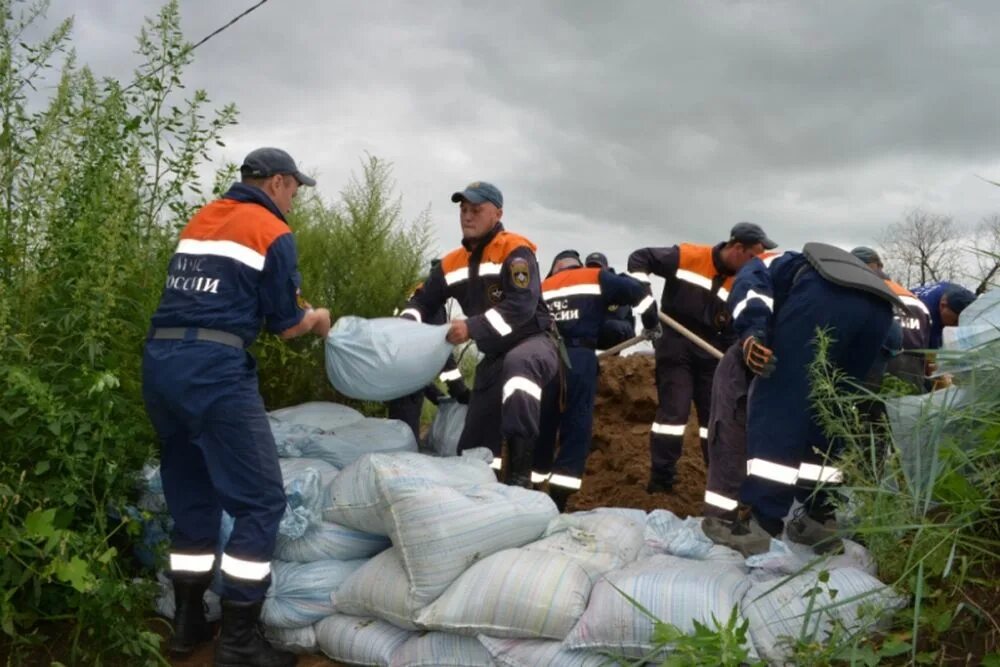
[(446, 429), (384, 358)]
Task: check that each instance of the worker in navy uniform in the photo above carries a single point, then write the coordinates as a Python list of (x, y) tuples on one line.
[(578, 298), (619, 325), (234, 270), (778, 307), (408, 408), (494, 277), (697, 283)]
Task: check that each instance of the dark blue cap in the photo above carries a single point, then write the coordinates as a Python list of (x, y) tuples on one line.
[(265, 162), (959, 298), (867, 255), (564, 254), (479, 192), (751, 234), (597, 259)]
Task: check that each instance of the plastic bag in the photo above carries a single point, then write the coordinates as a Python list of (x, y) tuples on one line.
[(384, 358), (359, 641), (300, 593), (447, 427), (329, 541), (322, 415)]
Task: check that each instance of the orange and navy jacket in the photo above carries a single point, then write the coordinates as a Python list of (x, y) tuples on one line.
[(915, 322), (235, 267), (696, 289), (496, 284), (579, 299)]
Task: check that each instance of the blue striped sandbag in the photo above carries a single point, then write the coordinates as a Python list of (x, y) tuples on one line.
[(330, 541), (440, 649), (299, 594), (538, 652), (380, 589), (359, 641), (296, 640), (600, 540)]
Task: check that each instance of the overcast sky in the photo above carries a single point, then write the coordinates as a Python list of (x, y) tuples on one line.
[(612, 125)]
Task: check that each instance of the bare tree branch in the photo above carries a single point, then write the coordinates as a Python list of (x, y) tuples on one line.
[(923, 247)]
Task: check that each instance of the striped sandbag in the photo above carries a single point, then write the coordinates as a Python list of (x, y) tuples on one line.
[(380, 589), (537, 652), (440, 649), (600, 540), (299, 594), (296, 640), (330, 541), (359, 641)]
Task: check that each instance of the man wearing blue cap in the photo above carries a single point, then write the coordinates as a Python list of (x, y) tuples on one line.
[(234, 270), (619, 324), (698, 279), (945, 301), (494, 277)]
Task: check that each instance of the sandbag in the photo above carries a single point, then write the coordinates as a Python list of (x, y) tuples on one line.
[(674, 590), (599, 541), (321, 415), (785, 558), (297, 640), (976, 340), (536, 652), (514, 593), (354, 499), (441, 531), (666, 533), (349, 443), (380, 589), (439, 649), (384, 358), (299, 594), (359, 641), (329, 541), (778, 609), (304, 495), (447, 427)]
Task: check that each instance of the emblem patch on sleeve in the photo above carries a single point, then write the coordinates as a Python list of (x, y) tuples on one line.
[(520, 272)]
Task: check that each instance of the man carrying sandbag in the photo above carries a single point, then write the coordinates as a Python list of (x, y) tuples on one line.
[(494, 277), (235, 268)]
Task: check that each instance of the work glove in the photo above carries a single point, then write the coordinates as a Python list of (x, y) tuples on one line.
[(459, 391), (654, 333), (758, 357)]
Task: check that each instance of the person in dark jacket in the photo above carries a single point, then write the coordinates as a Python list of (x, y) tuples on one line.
[(494, 277), (698, 279), (619, 325), (578, 298)]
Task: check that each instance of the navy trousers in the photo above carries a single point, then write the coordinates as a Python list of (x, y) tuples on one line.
[(572, 426), (784, 437), (217, 453)]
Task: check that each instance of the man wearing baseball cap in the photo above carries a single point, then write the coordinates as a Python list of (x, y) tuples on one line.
[(234, 271), (494, 277), (697, 283), (619, 325)]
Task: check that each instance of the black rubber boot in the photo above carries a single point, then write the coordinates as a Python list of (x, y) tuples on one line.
[(242, 644), (661, 482), (190, 626), (560, 495), (520, 457)]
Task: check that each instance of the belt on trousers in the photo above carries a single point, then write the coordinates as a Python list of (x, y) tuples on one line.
[(197, 333)]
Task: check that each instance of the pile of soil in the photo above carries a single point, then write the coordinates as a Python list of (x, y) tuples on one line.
[(618, 466)]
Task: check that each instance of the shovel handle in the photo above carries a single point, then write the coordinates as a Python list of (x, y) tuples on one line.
[(622, 346), (690, 335)]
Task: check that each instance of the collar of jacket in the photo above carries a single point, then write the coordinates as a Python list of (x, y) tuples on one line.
[(485, 241), (717, 260), (242, 192)]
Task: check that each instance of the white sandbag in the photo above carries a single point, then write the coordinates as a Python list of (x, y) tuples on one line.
[(787, 557), (777, 609), (599, 540), (537, 652), (384, 358), (666, 533), (441, 531), (292, 468), (380, 589), (297, 640), (354, 500), (976, 340), (329, 541), (349, 443), (514, 593), (446, 429), (304, 495), (299, 594), (320, 415), (439, 649), (165, 603), (675, 590), (359, 641)]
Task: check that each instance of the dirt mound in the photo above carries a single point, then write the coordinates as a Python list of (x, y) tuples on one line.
[(618, 466)]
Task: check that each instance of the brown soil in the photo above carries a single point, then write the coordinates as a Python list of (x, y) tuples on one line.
[(618, 466)]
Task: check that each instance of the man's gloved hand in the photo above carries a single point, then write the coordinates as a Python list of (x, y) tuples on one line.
[(759, 358), (459, 391), (654, 333)]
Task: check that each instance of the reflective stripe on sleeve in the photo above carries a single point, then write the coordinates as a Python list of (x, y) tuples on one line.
[(811, 472), (497, 322), (449, 376), (638, 275), (490, 269), (192, 563), (701, 281), (414, 312), (231, 249), (457, 276), (914, 302), (718, 500), (774, 472), (703, 433), (766, 300), (667, 429), (539, 477), (566, 482), (572, 290), (645, 304), (245, 569), (497, 463), (519, 383)]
